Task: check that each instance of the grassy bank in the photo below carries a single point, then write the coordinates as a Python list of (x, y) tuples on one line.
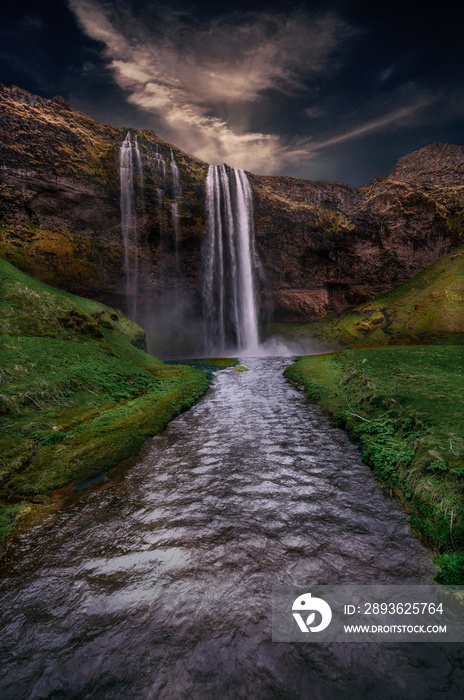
[(405, 407), (425, 308), (78, 392)]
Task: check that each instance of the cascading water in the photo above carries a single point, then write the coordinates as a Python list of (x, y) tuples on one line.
[(229, 264), (138, 163), (175, 175), (177, 191), (129, 156), (160, 164)]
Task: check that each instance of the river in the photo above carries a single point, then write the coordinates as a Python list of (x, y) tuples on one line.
[(157, 583)]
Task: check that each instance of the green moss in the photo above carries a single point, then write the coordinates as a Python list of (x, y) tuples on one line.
[(240, 368), (405, 408), (78, 394), (424, 308), (222, 362), (8, 515), (56, 256), (209, 365)]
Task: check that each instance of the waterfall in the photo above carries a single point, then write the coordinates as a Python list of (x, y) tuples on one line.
[(177, 191), (175, 175), (160, 163), (229, 263), (138, 163), (129, 156), (174, 192), (160, 166)]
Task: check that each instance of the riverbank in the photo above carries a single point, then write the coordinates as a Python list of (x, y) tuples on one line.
[(405, 408), (78, 391)]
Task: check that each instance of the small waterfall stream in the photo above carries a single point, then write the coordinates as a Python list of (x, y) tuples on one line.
[(177, 191), (130, 168), (229, 262)]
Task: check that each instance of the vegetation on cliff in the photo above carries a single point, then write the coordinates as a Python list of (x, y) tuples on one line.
[(78, 391), (426, 307), (50, 253), (405, 407), (60, 198)]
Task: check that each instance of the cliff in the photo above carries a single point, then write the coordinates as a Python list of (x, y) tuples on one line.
[(323, 245), (424, 309)]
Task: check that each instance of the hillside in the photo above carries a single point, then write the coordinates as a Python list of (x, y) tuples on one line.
[(78, 392), (426, 307)]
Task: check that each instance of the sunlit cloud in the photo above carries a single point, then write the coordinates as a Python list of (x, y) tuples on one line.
[(181, 76), (201, 83)]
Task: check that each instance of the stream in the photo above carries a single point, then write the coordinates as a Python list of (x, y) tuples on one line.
[(157, 584)]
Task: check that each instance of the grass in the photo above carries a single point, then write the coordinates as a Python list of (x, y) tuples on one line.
[(405, 408), (425, 308), (208, 365), (78, 392)]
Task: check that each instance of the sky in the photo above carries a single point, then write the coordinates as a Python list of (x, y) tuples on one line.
[(334, 90)]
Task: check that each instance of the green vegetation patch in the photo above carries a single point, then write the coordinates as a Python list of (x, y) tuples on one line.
[(78, 394), (58, 257), (209, 365), (405, 407), (423, 309)]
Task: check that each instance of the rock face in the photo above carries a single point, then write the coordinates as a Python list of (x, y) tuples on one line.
[(437, 165), (60, 200), (328, 246), (323, 245)]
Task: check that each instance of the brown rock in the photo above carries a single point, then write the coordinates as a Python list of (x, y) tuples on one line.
[(323, 245)]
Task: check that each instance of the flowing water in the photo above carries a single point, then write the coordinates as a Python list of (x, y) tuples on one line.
[(130, 170), (158, 585), (229, 261), (177, 192)]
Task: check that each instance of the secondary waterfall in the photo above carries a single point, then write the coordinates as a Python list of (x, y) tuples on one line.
[(177, 192), (130, 162), (229, 263)]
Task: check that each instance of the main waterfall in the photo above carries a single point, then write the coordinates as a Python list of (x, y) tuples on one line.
[(129, 155), (229, 264)]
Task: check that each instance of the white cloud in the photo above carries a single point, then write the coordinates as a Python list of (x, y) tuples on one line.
[(182, 76), (186, 75)]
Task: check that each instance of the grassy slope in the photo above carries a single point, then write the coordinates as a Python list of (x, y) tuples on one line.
[(76, 393), (425, 307), (405, 406)]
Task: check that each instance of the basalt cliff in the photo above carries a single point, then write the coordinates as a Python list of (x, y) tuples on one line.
[(322, 246)]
